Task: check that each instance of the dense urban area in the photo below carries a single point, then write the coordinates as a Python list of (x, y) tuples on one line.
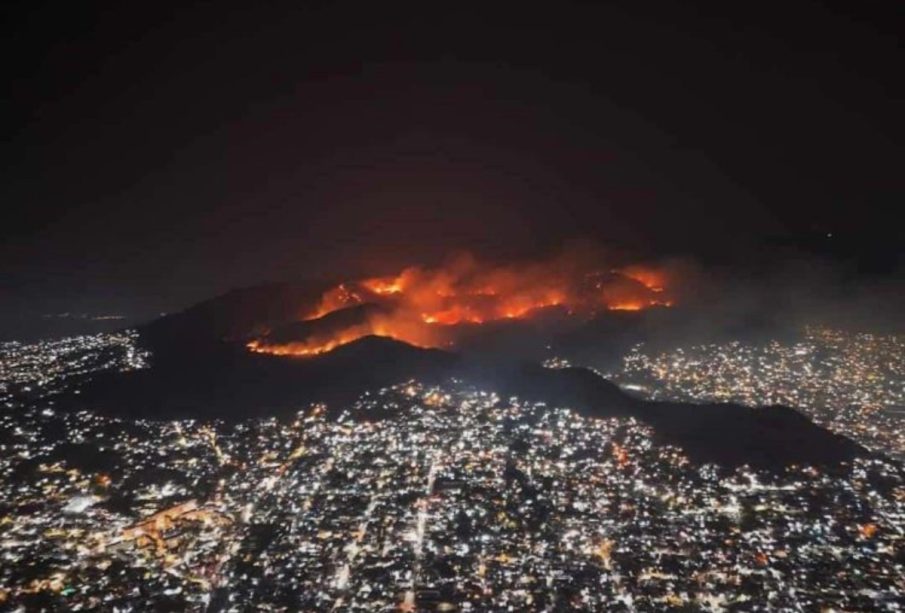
[(450, 498), (853, 384)]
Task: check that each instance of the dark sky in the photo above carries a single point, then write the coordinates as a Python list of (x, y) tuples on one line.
[(153, 156)]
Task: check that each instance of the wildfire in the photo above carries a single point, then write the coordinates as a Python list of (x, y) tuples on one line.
[(626, 306), (423, 306), (654, 280), (386, 285), (638, 305), (302, 348)]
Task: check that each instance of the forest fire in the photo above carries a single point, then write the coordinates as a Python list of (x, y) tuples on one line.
[(306, 348), (424, 306)]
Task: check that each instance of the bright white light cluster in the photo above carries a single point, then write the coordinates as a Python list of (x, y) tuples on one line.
[(420, 498), (853, 384), (42, 369)]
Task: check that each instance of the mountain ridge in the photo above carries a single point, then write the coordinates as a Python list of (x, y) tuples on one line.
[(201, 368)]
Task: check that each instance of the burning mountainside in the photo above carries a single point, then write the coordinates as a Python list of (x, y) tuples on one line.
[(425, 307)]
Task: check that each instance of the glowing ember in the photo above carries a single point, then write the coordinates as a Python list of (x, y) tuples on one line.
[(387, 285), (337, 298), (626, 306), (422, 306), (653, 280)]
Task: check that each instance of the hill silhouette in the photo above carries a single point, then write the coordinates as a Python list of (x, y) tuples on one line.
[(726, 434), (235, 315), (202, 369)]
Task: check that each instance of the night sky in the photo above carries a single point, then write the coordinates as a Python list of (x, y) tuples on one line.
[(154, 156)]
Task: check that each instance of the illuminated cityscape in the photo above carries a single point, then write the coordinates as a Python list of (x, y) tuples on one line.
[(416, 498), (853, 384), (377, 307), (42, 369)]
